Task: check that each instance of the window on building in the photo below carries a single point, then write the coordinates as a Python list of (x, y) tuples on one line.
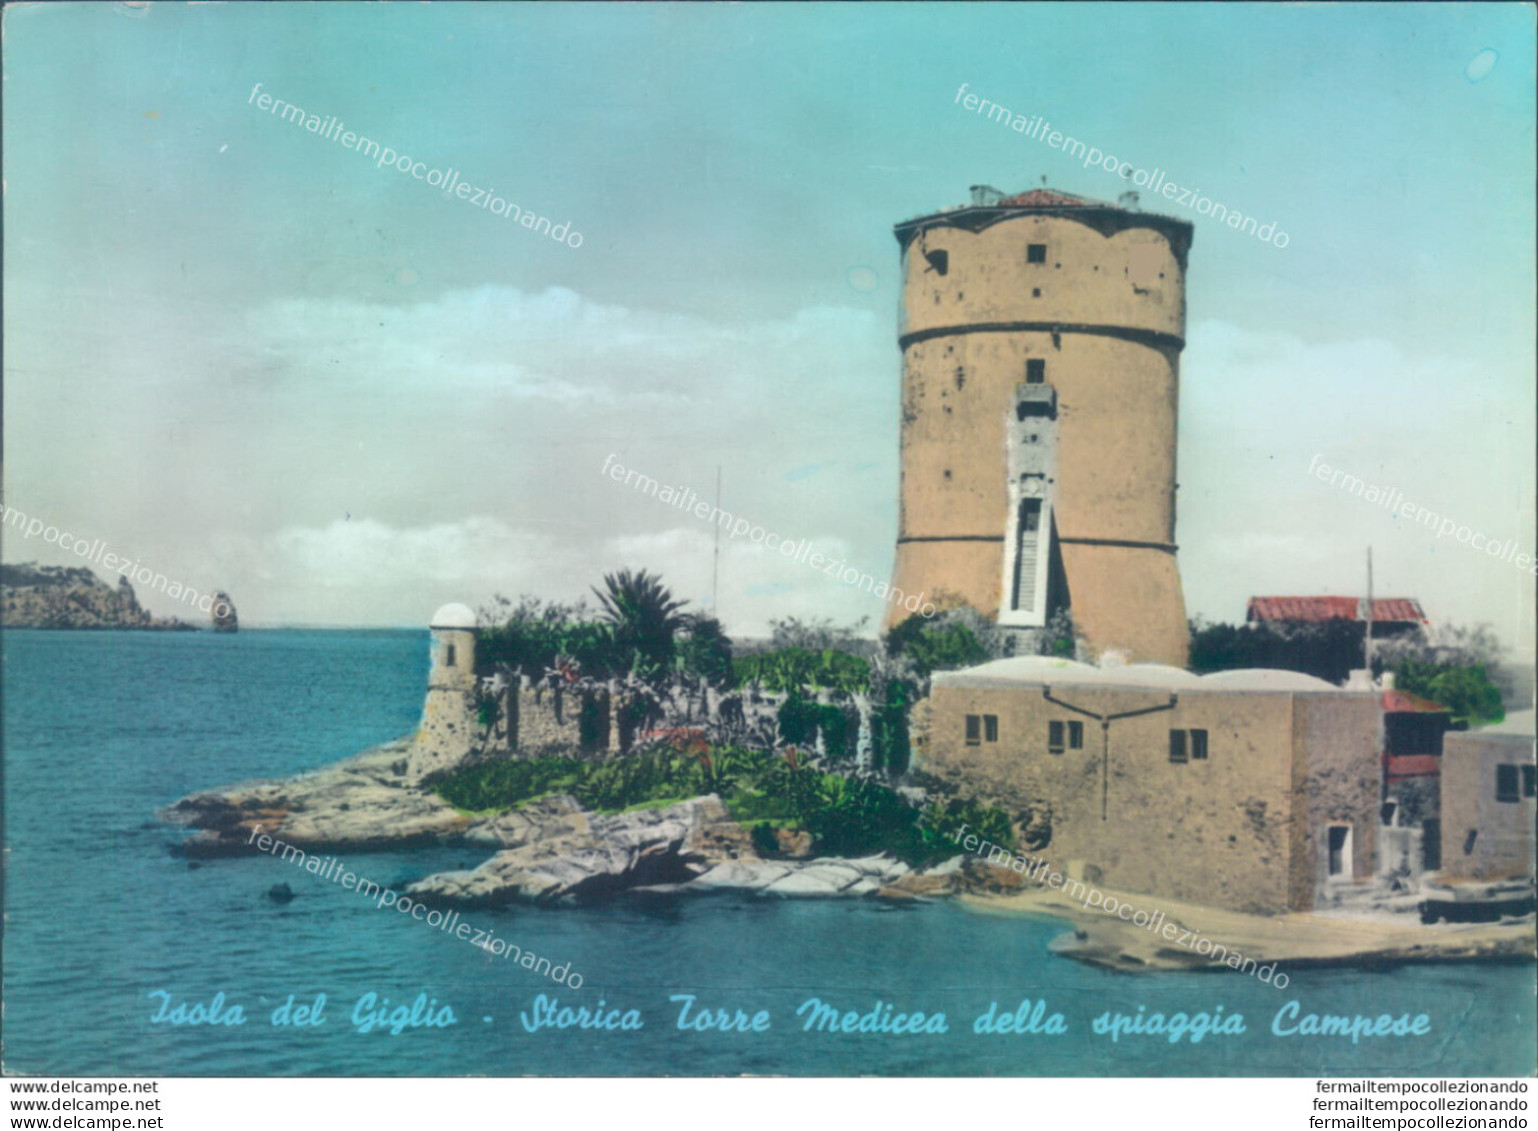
[(1527, 781), (1036, 253), (1198, 746), (990, 728), (1506, 784), (1035, 370), (1076, 735), (974, 729), (1178, 746), (939, 261), (448, 656), (1055, 738)]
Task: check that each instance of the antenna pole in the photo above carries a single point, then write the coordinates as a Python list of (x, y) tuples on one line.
[(715, 567), (1367, 640)]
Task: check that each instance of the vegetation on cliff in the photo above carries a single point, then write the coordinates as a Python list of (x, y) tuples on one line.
[(640, 630), (849, 815)]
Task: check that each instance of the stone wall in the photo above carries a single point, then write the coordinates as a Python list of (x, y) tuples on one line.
[(1337, 780), (560, 721), (1502, 844)]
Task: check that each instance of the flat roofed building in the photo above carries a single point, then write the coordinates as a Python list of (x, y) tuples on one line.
[(1488, 801), (1256, 790)]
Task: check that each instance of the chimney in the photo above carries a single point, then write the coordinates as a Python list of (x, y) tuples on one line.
[(986, 196)]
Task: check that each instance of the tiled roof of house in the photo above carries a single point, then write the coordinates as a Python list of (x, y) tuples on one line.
[(1397, 700), (1390, 609)]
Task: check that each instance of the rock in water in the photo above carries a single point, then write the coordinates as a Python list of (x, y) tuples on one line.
[(223, 613), (280, 893)]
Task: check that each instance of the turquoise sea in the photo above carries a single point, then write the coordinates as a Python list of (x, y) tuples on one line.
[(102, 728)]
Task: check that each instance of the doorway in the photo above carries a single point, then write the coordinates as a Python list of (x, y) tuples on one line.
[(1338, 839)]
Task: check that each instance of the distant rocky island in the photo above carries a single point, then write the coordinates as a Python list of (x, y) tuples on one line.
[(34, 596), (225, 618)]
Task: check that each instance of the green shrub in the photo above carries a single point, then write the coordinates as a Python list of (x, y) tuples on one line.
[(889, 731), (503, 785), (1466, 691), (935, 647), (789, 670), (945, 821)]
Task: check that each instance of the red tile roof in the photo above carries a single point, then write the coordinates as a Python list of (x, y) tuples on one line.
[(1411, 765), (1406, 701), (1049, 198), (1391, 609)]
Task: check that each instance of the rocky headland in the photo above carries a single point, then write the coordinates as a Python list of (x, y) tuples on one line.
[(546, 851), (552, 850), (34, 596)]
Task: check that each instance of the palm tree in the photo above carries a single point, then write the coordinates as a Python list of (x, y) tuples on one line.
[(645, 617)]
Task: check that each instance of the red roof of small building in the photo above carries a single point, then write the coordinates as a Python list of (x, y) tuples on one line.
[(1049, 198), (1411, 765), (1384, 609), (1397, 700)]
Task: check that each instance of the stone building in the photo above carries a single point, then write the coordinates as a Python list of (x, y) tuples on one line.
[(1488, 801), (1041, 337), (1252, 790), (450, 724)]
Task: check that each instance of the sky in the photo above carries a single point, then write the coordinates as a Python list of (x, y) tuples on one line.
[(249, 358)]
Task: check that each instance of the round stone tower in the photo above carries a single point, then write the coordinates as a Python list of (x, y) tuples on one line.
[(1041, 337), (449, 724)]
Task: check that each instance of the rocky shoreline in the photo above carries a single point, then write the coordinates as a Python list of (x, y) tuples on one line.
[(549, 850), (1294, 941), (553, 851)]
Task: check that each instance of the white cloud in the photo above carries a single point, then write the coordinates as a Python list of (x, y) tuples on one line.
[(1256, 409)]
